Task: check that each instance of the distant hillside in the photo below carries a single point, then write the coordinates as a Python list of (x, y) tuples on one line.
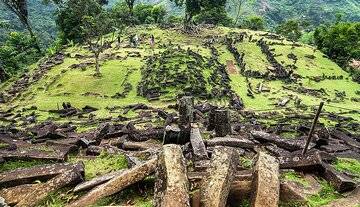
[(275, 11), (271, 75), (316, 12)]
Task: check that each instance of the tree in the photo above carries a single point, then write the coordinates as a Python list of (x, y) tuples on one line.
[(158, 12), (237, 6), (213, 12), (254, 23), (291, 29), (17, 52), (192, 8), (340, 41), (94, 28), (130, 4), (70, 18), (20, 9)]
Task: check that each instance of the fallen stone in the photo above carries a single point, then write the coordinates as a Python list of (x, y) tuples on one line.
[(11, 195), (171, 185), (97, 181), (312, 161), (41, 173), (71, 177), (291, 191), (290, 145), (340, 181), (116, 184), (197, 143), (352, 200), (216, 184), (266, 181), (228, 141)]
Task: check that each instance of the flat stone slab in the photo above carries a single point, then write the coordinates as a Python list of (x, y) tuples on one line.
[(42, 173), (266, 182), (231, 142), (352, 200)]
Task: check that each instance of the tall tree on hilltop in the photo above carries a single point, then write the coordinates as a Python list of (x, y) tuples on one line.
[(94, 28), (20, 9), (130, 4), (71, 15), (192, 8), (237, 7)]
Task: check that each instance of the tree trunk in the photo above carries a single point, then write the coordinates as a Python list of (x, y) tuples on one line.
[(171, 185), (216, 185), (25, 21), (97, 65)]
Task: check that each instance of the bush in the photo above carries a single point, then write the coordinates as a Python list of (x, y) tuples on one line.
[(254, 23), (290, 29), (175, 19), (216, 16), (142, 14), (70, 18), (142, 11), (341, 41), (17, 52)]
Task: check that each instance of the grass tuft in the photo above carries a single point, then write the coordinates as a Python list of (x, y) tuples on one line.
[(348, 165), (295, 177), (325, 196), (104, 163), (12, 165)]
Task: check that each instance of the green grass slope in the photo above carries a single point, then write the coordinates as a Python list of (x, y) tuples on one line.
[(123, 68)]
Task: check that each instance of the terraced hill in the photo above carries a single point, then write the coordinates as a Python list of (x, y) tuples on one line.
[(61, 114), (258, 70)]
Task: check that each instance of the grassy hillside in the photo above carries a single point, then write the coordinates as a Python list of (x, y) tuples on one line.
[(172, 69)]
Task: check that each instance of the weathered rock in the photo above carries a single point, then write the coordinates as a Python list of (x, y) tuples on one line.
[(197, 143), (216, 185), (348, 140), (186, 110), (11, 195), (97, 181), (41, 173), (352, 200), (312, 161), (172, 135), (230, 142), (171, 186), (266, 181), (116, 184), (290, 145), (3, 203), (71, 177), (222, 123), (341, 182), (136, 146), (291, 191)]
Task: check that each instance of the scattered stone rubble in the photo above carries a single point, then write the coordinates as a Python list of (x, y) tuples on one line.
[(185, 161)]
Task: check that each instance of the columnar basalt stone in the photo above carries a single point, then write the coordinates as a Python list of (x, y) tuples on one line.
[(67, 178), (171, 185), (186, 110), (222, 122), (266, 183), (341, 182), (116, 184), (42, 173), (216, 185), (197, 143)]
